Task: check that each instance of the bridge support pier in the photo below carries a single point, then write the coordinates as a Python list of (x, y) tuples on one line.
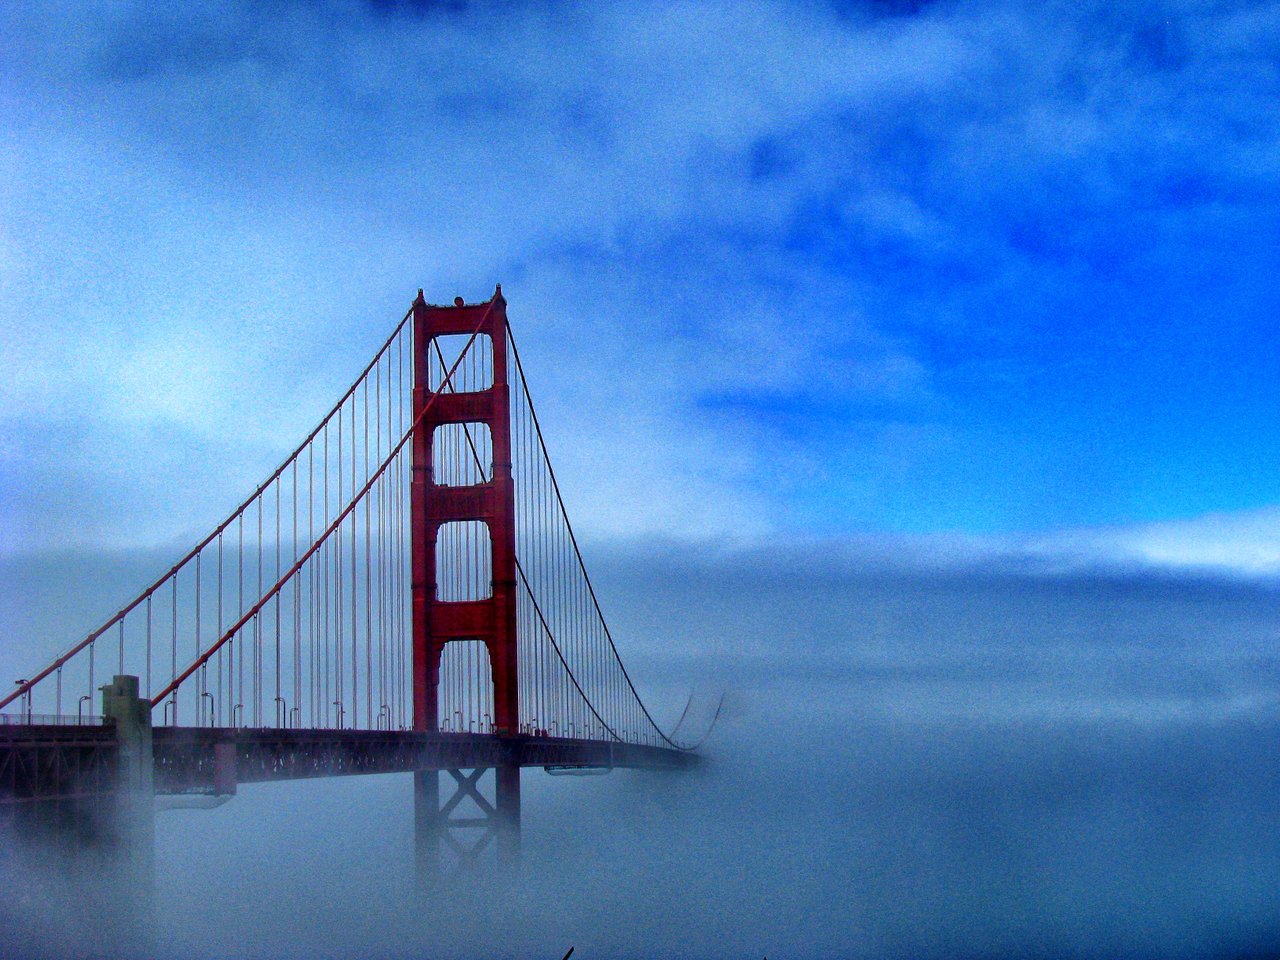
[(77, 811), (135, 772), (135, 814), (426, 825), (452, 839), (508, 814)]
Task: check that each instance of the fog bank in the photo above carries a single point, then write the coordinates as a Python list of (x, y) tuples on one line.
[(914, 761)]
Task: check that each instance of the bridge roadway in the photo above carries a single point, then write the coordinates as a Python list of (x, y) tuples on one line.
[(208, 760), (71, 784), (60, 763)]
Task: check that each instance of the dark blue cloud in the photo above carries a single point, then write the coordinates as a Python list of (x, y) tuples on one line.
[(425, 8)]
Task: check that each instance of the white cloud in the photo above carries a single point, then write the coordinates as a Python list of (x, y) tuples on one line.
[(1245, 542)]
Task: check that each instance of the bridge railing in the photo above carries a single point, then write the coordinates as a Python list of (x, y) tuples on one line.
[(51, 720)]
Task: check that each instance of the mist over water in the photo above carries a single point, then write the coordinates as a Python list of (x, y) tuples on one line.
[(914, 760)]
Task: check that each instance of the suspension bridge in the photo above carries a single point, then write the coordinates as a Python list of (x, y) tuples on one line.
[(403, 593)]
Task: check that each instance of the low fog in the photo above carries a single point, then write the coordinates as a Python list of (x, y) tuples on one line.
[(915, 759)]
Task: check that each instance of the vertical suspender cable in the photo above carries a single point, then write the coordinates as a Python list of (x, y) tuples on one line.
[(221, 686), (150, 688), (257, 633), (173, 641), (355, 701), (297, 607), (368, 583), (275, 704), (240, 613), (339, 617), (199, 688)]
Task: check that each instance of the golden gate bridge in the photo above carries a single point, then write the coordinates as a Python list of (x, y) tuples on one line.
[(404, 593)]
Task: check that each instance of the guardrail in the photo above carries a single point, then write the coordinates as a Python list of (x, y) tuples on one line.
[(50, 720)]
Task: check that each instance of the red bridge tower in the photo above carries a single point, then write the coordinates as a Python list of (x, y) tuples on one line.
[(491, 620)]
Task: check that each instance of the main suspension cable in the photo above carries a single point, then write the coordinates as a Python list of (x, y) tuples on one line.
[(26, 686), (335, 525)]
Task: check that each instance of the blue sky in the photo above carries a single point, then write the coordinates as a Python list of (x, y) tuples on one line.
[(1000, 271)]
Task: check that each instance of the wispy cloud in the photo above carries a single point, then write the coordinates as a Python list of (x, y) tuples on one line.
[(1247, 542)]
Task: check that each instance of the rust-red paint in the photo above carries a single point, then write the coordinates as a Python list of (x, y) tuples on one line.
[(493, 621)]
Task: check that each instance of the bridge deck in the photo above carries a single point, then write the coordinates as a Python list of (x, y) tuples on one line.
[(213, 760)]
